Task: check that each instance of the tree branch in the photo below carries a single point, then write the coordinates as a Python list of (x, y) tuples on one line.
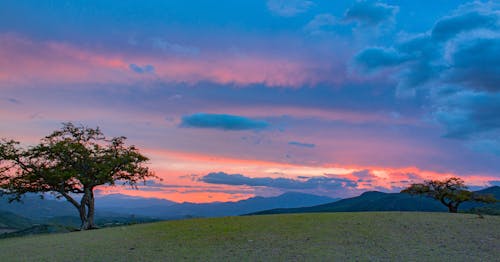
[(70, 199)]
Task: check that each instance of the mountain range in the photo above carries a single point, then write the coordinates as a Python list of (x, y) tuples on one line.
[(217, 209), (118, 205), (379, 201)]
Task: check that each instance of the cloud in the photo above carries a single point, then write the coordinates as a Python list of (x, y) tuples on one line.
[(320, 23), (450, 26), (463, 48), (288, 7), (55, 63), (364, 176), (156, 184), (12, 100), (174, 48), (300, 144), (43, 63), (476, 63), (490, 146), (142, 69), (414, 58), (222, 121), (374, 58), (370, 13), (467, 113), (323, 182), (458, 64)]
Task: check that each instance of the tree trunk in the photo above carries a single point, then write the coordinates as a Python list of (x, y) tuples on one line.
[(83, 212), (91, 210), (452, 205), (83, 217), (86, 210)]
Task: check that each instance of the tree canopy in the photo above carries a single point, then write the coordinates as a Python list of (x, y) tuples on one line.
[(450, 192), (70, 162)]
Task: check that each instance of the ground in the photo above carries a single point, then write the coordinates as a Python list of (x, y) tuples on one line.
[(368, 236)]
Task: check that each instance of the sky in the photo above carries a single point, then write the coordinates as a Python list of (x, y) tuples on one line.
[(235, 99)]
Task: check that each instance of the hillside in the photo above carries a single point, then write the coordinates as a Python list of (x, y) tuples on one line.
[(369, 201), (379, 201), (362, 236), (491, 209), (38, 229), (10, 222)]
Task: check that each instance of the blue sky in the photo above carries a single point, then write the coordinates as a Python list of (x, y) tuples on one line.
[(311, 92)]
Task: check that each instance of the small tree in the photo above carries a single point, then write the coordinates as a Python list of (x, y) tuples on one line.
[(71, 161), (450, 192)]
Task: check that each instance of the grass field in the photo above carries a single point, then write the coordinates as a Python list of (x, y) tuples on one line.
[(369, 236)]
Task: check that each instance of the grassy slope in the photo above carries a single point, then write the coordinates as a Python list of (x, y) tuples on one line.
[(324, 236), (11, 220)]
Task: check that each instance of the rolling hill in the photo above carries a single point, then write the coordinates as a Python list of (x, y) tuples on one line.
[(379, 201), (10, 222), (491, 209)]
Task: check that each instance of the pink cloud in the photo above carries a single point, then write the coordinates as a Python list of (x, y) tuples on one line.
[(25, 61)]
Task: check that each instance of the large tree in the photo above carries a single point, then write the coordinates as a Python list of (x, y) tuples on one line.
[(450, 192), (70, 163)]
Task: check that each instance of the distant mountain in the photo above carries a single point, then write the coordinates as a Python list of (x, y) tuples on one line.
[(379, 201), (35, 208), (119, 201), (290, 199), (494, 190), (141, 208)]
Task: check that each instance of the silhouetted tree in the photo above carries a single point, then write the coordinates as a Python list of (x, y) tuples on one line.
[(71, 161), (450, 192)]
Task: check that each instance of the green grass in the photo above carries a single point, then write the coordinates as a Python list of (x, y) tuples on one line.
[(365, 236)]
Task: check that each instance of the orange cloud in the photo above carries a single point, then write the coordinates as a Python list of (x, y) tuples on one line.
[(184, 170), (180, 195)]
